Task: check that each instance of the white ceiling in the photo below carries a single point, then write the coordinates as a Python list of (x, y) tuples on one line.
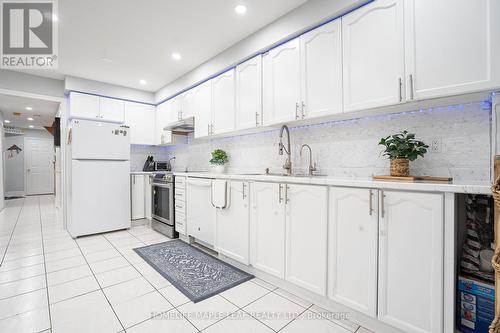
[(43, 112), (124, 41)]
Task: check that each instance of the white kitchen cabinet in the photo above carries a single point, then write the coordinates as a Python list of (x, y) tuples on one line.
[(148, 195), (176, 108), (282, 83), (233, 222), (249, 94), (223, 103), (200, 214), (141, 120), (187, 104), (84, 106), (353, 248), (373, 55), (267, 228), (411, 261), (321, 71), (162, 118), (202, 101), (180, 205), (138, 196), (306, 236), (112, 109), (445, 56)]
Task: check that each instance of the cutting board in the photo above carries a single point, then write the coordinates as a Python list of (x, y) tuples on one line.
[(415, 178)]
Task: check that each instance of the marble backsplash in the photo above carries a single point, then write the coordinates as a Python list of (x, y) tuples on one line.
[(350, 148)]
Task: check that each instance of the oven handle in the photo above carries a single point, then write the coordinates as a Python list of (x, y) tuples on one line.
[(162, 185)]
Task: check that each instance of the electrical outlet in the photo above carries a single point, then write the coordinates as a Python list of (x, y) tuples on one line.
[(436, 145)]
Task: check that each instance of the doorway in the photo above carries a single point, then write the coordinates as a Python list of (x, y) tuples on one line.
[(39, 166)]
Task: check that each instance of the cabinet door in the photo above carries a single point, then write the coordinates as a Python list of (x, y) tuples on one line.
[(282, 83), (147, 196), (84, 106), (411, 261), (137, 196), (231, 231), (446, 56), (112, 109), (223, 103), (353, 235), (267, 229), (188, 104), (176, 108), (321, 58), (306, 236), (249, 94), (203, 115), (373, 61), (200, 213), (163, 117), (141, 119)]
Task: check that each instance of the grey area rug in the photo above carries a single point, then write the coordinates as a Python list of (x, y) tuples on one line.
[(195, 273)]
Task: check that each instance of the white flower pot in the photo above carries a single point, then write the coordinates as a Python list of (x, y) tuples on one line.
[(218, 168)]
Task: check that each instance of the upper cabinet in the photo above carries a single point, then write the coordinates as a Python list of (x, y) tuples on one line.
[(202, 103), (223, 103), (164, 115), (141, 120), (446, 55), (373, 61), (187, 107), (249, 94), (321, 71), (92, 107)]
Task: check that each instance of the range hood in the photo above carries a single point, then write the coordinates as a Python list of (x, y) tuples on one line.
[(181, 126)]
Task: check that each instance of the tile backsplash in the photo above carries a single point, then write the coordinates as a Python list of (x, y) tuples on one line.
[(139, 153), (349, 148)]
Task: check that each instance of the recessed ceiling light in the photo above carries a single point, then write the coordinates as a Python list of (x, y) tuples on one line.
[(31, 126), (143, 82), (240, 9), (7, 121), (176, 56), (29, 108), (29, 119)]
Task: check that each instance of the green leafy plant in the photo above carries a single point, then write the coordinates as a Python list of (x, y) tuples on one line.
[(403, 145), (219, 157)]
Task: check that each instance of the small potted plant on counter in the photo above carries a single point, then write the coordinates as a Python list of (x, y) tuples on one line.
[(401, 148), (219, 160)]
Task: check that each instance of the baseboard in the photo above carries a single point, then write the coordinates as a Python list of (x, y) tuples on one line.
[(15, 194)]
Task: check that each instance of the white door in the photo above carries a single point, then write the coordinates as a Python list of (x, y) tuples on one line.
[(39, 159), (233, 222), (148, 194), (112, 109), (411, 261), (188, 104), (282, 83), (446, 55), (176, 108), (321, 68), (141, 119), (353, 251), (223, 103), (84, 106), (249, 93), (306, 236), (373, 55), (163, 116), (200, 213), (267, 228), (137, 186), (202, 96)]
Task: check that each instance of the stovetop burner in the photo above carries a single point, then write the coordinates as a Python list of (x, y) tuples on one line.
[(167, 177)]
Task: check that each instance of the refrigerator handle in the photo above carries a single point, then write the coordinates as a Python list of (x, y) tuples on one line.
[(70, 136)]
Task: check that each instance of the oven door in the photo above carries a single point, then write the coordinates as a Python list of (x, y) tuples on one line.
[(163, 203)]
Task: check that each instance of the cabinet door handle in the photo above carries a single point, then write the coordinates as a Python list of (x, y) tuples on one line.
[(382, 203), (370, 207), (297, 110), (208, 130), (286, 194), (411, 86), (256, 119), (400, 86), (243, 190), (280, 199), (133, 179), (303, 113)]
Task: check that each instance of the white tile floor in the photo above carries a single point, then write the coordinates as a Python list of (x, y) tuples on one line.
[(52, 283)]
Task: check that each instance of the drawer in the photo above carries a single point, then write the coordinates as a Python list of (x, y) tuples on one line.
[(180, 194), (180, 205), (180, 182), (180, 217)]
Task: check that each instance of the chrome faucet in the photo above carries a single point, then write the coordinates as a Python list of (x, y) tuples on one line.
[(288, 163), (312, 167)]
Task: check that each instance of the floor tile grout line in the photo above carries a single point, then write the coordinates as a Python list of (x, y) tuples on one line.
[(44, 265), (291, 321), (12, 232)]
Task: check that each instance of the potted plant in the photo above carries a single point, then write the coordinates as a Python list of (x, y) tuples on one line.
[(218, 161), (401, 148)]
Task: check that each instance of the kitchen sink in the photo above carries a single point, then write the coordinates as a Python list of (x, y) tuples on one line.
[(282, 175)]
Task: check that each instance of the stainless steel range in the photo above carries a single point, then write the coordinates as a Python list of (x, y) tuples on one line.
[(163, 204)]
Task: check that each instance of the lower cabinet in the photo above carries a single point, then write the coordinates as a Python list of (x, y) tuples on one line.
[(138, 196), (353, 251), (306, 236), (233, 222), (200, 214), (410, 288)]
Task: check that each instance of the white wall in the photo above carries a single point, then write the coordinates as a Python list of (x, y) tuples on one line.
[(350, 148), (2, 174), (291, 24), (14, 167), (21, 82)]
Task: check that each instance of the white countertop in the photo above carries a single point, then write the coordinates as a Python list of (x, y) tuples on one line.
[(453, 187), (143, 172)]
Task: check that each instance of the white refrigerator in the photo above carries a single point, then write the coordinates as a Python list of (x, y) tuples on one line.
[(100, 182)]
